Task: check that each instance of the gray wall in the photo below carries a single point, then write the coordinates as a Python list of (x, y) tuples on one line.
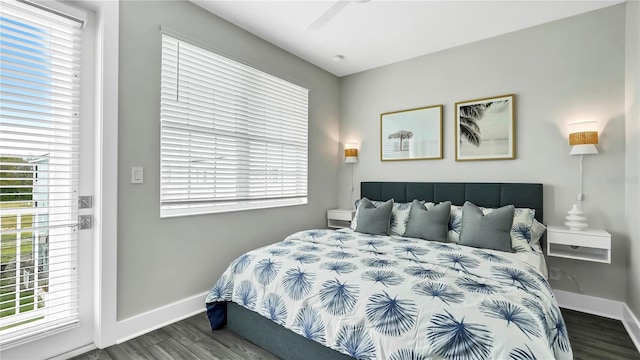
[(632, 75), (568, 70), (162, 261)]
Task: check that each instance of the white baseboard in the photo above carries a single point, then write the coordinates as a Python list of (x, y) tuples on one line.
[(631, 323), (590, 304), (160, 317), (602, 307), (76, 352)]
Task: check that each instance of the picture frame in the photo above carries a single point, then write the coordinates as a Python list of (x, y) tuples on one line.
[(485, 129), (413, 134)]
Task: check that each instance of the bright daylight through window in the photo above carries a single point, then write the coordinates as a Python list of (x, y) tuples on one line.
[(232, 137), (39, 130)]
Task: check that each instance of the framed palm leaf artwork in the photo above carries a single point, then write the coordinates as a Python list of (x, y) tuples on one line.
[(485, 129), (414, 134)]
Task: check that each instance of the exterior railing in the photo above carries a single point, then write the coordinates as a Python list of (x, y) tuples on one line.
[(23, 264)]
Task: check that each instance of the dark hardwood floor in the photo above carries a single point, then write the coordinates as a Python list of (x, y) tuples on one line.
[(191, 338), (595, 337), (592, 337)]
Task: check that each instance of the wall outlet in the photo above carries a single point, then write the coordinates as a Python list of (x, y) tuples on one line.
[(554, 273)]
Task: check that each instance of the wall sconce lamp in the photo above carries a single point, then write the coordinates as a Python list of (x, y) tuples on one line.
[(583, 138), (350, 153), (351, 157)]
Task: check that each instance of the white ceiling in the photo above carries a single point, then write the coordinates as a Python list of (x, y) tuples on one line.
[(373, 33)]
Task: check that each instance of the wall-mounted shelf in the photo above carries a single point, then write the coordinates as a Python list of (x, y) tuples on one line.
[(589, 245), (339, 218)]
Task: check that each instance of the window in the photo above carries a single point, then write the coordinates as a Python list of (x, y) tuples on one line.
[(39, 160), (232, 137)]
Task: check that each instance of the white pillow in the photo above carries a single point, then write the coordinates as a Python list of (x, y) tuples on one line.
[(399, 218), (537, 229), (455, 224)]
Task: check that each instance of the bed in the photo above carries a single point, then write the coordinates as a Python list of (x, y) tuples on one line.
[(340, 294)]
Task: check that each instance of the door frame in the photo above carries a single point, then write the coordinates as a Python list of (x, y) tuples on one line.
[(105, 206), (105, 332)]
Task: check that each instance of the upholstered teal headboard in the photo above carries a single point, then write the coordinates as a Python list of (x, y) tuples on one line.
[(520, 195)]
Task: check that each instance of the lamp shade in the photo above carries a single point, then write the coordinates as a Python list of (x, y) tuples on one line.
[(583, 138), (583, 149), (350, 153)]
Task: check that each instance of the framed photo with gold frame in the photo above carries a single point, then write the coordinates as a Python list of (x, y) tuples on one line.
[(413, 134), (485, 129)]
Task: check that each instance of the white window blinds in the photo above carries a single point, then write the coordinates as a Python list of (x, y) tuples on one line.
[(232, 137), (39, 150)]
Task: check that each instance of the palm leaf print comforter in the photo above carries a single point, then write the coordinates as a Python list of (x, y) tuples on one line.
[(391, 297)]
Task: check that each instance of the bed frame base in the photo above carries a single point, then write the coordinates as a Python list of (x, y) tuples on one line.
[(278, 340)]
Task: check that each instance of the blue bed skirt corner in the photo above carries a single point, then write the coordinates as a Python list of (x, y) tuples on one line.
[(217, 314)]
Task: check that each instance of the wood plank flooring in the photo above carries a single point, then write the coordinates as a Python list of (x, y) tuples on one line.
[(592, 338), (595, 337), (188, 339)]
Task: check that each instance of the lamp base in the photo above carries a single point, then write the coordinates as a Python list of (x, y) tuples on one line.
[(576, 219)]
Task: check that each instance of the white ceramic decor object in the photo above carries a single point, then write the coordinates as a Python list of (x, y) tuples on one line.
[(576, 219)]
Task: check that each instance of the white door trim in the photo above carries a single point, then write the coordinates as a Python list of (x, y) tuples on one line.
[(106, 186)]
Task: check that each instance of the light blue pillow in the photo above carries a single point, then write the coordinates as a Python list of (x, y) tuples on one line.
[(522, 231), (431, 224), (354, 221), (374, 220), (399, 216), (490, 231)]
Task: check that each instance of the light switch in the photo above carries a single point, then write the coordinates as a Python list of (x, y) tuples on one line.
[(137, 175)]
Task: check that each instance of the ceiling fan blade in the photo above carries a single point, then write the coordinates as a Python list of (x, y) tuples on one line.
[(323, 19)]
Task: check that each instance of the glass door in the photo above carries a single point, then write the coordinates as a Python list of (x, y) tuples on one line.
[(45, 106)]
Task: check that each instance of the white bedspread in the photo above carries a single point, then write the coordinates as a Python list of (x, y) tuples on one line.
[(381, 297)]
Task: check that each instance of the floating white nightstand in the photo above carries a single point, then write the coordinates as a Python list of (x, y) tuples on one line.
[(588, 245), (339, 218)]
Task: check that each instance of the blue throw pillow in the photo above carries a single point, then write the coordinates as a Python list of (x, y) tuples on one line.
[(431, 224), (490, 231), (374, 220)]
